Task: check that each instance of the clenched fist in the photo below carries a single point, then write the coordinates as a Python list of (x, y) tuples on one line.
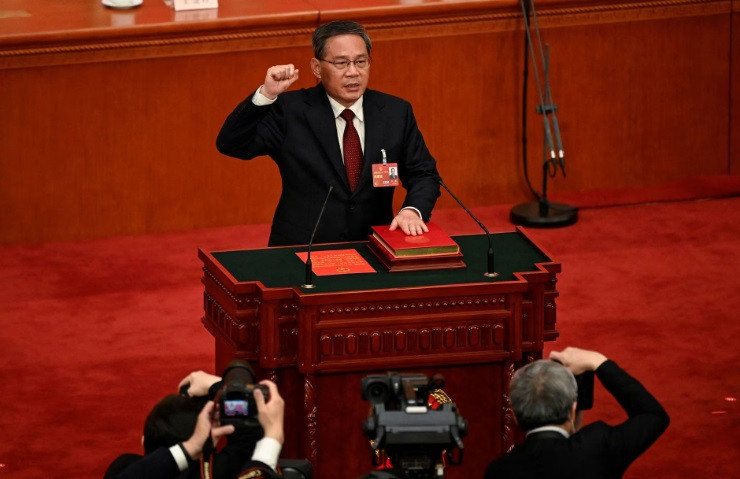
[(278, 79)]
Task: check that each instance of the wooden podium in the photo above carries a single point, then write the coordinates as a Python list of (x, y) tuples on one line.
[(318, 344)]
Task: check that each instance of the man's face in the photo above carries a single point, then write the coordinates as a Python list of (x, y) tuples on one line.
[(346, 85)]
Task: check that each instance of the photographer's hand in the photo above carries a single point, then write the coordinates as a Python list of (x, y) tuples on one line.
[(199, 382), (271, 414), (579, 360), (203, 430)]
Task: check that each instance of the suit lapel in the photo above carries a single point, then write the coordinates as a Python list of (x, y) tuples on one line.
[(374, 126), (321, 119), (322, 122)]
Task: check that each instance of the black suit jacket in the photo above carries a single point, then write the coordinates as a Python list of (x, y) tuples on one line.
[(161, 465), (597, 450), (299, 133)]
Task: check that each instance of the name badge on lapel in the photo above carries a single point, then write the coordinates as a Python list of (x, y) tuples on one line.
[(385, 174)]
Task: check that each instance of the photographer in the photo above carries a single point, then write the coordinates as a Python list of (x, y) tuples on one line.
[(182, 431), (543, 396)]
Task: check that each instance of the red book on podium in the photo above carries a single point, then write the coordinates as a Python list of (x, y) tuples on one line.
[(398, 251)]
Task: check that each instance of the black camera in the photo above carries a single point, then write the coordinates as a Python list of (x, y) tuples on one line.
[(585, 383), (236, 400), (585, 386), (400, 391), (406, 430)]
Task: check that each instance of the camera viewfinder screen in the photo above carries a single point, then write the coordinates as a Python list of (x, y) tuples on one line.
[(235, 407)]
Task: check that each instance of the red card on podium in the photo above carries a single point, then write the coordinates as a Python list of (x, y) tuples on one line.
[(339, 261)]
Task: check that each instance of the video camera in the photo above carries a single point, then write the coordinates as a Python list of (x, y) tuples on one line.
[(402, 426), (236, 399)]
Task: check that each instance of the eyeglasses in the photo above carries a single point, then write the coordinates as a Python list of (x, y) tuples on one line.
[(360, 63)]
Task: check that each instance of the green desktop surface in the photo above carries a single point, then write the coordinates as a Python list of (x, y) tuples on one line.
[(282, 268)]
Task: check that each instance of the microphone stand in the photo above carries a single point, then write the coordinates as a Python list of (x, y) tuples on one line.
[(543, 212), (490, 272), (309, 266)]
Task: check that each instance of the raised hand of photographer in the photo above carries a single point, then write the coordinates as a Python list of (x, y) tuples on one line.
[(579, 360), (204, 429), (198, 383), (271, 413)]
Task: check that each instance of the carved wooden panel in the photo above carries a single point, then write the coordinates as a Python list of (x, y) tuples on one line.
[(310, 408), (280, 341), (508, 436), (410, 333), (233, 317)]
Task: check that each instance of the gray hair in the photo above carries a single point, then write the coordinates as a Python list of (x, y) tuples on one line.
[(339, 27), (542, 393)]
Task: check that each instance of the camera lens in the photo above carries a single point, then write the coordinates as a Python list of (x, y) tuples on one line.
[(377, 392), (375, 389)]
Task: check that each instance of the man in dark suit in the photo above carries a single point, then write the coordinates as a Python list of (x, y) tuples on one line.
[(543, 395), (305, 132)]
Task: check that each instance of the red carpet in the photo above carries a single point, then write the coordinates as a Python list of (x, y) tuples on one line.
[(93, 333)]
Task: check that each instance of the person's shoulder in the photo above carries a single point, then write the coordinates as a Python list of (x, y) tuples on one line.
[(120, 463), (302, 98), (385, 99), (518, 454), (591, 437), (302, 93), (591, 428)]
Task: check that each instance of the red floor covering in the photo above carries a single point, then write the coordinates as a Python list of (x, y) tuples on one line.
[(94, 332)]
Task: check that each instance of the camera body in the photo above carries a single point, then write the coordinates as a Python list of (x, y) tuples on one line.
[(401, 425), (585, 383), (236, 399), (238, 407), (399, 391), (585, 386)]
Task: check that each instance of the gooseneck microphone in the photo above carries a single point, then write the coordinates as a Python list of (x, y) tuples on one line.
[(491, 273), (309, 266)]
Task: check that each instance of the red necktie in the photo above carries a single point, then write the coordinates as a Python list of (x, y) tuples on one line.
[(352, 150)]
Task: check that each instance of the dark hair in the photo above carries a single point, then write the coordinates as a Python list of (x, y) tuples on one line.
[(542, 393), (332, 29), (172, 420)]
